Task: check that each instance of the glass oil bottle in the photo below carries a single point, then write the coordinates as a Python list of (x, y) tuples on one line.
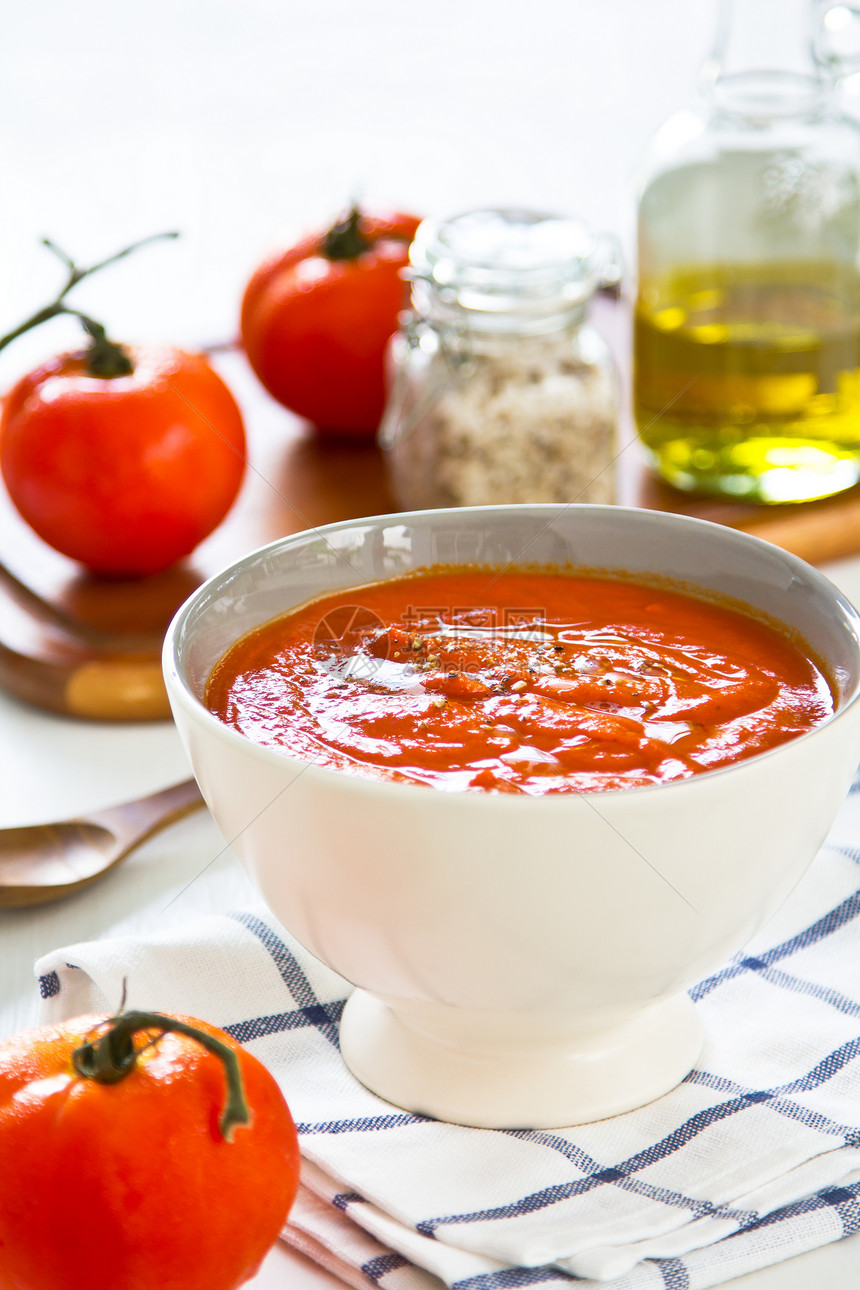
[(747, 321)]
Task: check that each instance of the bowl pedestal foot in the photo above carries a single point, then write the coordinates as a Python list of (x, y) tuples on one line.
[(500, 1073)]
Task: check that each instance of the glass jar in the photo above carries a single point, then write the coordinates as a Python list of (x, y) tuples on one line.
[(500, 390), (747, 329)]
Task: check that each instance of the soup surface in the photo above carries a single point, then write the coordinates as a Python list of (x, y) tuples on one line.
[(519, 682)]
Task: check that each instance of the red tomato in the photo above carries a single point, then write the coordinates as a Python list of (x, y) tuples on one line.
[(125, 474), (316, 320), (132, 1183)]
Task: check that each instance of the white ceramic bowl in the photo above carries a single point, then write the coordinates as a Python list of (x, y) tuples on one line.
[(520, 961)]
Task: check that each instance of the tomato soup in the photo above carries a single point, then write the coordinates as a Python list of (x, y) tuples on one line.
[(518, 682)]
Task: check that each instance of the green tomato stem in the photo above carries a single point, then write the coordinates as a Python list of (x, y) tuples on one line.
[(112, 1056), (105, 358), (103, 354), (345, 240)]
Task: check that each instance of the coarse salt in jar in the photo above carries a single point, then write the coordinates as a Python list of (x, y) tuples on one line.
[(500, 390)]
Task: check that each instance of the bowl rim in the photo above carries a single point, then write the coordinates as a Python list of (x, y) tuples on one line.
[(179, 689)]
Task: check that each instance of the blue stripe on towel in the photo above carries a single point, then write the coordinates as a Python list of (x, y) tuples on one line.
[(344, 1199), (835, 1198), (672, 1142), (49, 985), (638, 1186), (784, 1106), (321, 1015), (839, 849), (831, 922), (365, 1124), (292, 974), (376, 1269), (674, 1273), (786, 981), (507, 1278)]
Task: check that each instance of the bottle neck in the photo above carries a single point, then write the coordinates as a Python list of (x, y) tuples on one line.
[(762, 66)]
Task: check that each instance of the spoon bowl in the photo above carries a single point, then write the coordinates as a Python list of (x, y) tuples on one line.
[(43, 862)]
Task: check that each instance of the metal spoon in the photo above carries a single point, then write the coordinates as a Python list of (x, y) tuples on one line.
[(41, 862)]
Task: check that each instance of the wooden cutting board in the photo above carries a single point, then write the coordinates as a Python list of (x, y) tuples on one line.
[(90, 648)]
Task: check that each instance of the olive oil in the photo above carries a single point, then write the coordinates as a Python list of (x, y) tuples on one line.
[(747, 378)]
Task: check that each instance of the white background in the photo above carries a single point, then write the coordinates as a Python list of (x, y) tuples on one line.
[(241, 125)]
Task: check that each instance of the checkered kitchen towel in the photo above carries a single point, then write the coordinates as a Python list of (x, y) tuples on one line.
[(754, 1158)]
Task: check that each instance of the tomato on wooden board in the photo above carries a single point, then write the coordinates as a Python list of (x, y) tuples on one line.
[(125, 473), (131, 1158), (316, 320)]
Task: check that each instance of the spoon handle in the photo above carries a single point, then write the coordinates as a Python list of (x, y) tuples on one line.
[(132, 822)]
